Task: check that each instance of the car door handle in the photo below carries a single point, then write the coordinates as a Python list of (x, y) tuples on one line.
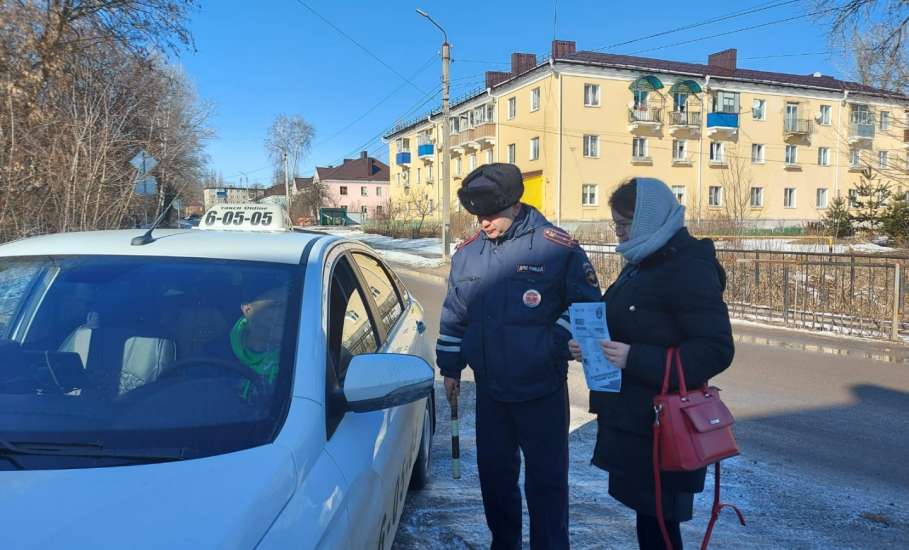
[(421, 327)]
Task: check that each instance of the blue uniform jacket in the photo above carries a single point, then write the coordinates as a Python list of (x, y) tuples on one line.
[(506, 311)]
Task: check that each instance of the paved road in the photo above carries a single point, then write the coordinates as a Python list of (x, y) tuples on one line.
[(821, 423)]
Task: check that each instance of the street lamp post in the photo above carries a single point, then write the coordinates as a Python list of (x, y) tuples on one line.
[(446, 153)]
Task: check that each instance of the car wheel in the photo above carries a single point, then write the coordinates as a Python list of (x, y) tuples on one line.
[(419, 478)]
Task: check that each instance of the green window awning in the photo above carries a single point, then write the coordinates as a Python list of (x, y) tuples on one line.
[(689, 86), (648, 82)]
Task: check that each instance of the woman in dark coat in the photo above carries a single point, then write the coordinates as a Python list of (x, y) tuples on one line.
[(670, 294)]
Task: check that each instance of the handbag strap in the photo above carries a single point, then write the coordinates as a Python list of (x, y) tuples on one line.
[(715, 509), (674, 355)]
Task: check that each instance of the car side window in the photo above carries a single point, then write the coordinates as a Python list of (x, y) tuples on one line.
[(351, 331), (383, 290)]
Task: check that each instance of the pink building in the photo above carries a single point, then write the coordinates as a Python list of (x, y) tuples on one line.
[(360, 185)]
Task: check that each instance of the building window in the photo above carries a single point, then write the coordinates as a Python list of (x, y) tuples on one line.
[(429, 173), (534, 99), (364, 210), (726, 102), (715, 196), (882, 159), (512, 107), (512, 156), (679, 192), (364, 191), (757, 197), (418, 178), (591, 146), (826, 117), (792, 156), (854, 158), (640, 99), (680, 102), (589, 194), (823, 156), (378, 191), (458, 167), (343, 190), (403, 144), (716, 152), (757, 153), (591, 95), (534, 148), (489, 156), (853, 198), (758, 109), (471, 162), (679, 150), (885, 121), (379, 211), (821, 197), (639, 148), (789, 197)]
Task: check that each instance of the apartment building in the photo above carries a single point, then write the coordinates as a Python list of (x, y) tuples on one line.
[(771, 148)]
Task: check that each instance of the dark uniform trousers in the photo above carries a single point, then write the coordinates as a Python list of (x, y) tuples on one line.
[(539, 428)]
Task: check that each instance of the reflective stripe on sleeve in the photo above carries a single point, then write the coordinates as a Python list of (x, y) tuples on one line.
[(449, 339), (449, 349)]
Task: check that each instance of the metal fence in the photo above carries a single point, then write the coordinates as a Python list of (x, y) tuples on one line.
[(861, 295)]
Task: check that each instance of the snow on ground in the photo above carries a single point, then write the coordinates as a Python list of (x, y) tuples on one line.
[(784, 508), (418, 253)]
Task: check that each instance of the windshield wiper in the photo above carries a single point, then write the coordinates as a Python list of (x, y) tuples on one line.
[(90, 450)]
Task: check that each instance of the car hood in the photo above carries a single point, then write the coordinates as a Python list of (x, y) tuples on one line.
[(227, 501)]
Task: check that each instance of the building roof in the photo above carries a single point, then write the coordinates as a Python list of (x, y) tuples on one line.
[(363, 168), (715, 71), (724, 68)]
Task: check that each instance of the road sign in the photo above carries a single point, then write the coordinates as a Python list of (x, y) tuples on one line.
[(147, 186), (143, 163)]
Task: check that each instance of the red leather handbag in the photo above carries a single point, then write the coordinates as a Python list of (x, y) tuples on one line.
[(690, 431)]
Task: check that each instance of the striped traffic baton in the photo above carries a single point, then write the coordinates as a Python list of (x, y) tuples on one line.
[(455, 442)]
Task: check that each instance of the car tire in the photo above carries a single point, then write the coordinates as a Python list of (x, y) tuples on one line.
[(419, 477)]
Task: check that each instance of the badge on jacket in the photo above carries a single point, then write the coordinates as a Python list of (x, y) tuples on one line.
[(532, 298), (591, 275), (524, 268)]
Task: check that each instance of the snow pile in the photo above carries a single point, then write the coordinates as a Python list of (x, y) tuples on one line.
[(416, 253)]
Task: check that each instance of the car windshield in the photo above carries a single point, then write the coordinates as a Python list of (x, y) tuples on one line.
[(187, 357)]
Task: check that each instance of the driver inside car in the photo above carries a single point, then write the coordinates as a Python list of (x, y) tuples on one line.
[(256, 337)]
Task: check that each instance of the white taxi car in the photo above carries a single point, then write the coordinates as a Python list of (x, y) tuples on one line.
[(236, 385)]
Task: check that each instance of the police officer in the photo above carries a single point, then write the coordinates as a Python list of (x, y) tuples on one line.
[(506, 316)]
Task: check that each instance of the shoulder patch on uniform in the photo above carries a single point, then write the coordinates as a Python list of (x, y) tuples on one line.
[(560, 236), (591, 275), (467, 241)]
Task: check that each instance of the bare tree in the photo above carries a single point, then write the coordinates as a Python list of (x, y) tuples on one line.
[(291, 136), (736, 182), (309, 199)]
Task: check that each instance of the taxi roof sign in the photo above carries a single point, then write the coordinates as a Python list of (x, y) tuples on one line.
[(245, 217)]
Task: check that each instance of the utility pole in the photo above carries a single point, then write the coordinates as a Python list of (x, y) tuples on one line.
[(446, 153)]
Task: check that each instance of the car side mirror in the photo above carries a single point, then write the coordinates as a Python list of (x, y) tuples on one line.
[(379, 381)]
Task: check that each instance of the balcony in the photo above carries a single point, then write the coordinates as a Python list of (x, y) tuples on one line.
[(645, 118), (425, 150), (797, 126), (402, 158), (474, 138), (861, 132), (685, 119), (721, 124)]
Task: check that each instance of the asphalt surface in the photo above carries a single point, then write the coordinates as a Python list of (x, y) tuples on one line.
[(821, 423)]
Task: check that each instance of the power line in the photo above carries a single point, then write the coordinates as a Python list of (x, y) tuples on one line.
[(361, 46), (733, 15), (734, 31), (377, 105), (791, 55)]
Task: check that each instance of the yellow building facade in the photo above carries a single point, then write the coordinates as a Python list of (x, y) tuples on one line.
[(769, 149)]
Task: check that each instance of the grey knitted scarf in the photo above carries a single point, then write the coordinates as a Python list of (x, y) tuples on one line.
[(658, 216)]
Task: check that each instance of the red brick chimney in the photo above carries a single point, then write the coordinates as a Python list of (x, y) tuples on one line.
[(725, 59), (494, 78), (563, 48), (522, 62)]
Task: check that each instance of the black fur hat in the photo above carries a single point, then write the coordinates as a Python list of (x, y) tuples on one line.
[(491, 188)]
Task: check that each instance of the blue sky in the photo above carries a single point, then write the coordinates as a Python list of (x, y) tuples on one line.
[(254, 60)]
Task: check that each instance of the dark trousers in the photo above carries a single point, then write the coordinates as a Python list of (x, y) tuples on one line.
[(539, 428), (651, 538)]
